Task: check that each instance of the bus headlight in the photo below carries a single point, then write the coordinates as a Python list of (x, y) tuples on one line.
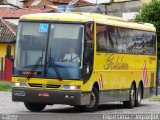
[(18, 84), (71, 87)]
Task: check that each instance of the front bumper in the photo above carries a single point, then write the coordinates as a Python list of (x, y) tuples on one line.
[(55, 96)]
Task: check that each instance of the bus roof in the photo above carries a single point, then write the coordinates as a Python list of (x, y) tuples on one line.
[(85, 17)]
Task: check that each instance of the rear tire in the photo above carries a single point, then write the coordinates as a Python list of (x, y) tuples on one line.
[(132, 98), (34, 107), (94, 101), (139, 96)]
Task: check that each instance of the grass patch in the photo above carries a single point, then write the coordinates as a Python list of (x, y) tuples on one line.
[(5, 86), (155, 98)]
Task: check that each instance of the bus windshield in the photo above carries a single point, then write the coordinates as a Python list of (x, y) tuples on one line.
[(49, 50)]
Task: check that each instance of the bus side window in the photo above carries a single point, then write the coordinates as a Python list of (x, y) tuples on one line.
[(150, 43), (89, 42), (110, 42), (101, 38), (88, 60), (89, 34), (89, 31), (101, 42), (88, 56), (112, 39)]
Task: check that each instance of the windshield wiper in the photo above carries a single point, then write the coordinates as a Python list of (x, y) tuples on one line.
[(37, 64), (52, 64)]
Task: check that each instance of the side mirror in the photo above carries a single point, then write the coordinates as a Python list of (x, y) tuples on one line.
[(8, 51)]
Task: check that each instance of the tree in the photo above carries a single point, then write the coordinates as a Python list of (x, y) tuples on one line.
[(1, 1), (150, 13)]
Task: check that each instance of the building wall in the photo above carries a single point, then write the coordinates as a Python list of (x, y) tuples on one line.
[(117, 9), (3, 47), (3, 72), (91, 9), (125, 8), (115, 1), (16, 2), (145, 1), (2, 60), (142, 1), (28, 4), (14, 21), (6, 6)]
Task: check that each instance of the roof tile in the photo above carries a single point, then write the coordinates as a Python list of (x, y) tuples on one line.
[(7, 31), (17, 13)]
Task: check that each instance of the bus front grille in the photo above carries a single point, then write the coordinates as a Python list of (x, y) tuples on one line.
[(35, 85), (43, 85), (52, 86)]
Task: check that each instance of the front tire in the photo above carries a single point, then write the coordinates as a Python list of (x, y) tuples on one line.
[(132, 98), (34, 107), (94, 101)]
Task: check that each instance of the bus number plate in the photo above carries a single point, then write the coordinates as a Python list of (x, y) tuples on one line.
[(19, 93), (22, 80)]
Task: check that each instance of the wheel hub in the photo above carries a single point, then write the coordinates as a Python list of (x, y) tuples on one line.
[(132, 96), (92, 100)]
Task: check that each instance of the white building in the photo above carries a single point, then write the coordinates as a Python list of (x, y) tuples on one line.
[(18, 3)]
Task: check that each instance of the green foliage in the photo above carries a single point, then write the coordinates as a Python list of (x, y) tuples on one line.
[(1, 1), (5, 86), (155, 98), (150, 13)]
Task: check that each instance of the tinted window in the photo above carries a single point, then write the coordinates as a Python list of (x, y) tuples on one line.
[(150, 43), (101, 38), (138, 39), (123, 40)]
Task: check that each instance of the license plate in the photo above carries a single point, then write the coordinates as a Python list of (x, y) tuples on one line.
[(43, 94), (19, 93)]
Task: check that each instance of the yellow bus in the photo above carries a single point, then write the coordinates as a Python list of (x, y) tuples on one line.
[(83, 60)]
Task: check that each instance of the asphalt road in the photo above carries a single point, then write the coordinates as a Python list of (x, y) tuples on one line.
[(111, 111)]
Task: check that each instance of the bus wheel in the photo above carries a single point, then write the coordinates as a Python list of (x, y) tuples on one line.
[(94, 101), (139, 96), (132, 97), (34, 107)]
